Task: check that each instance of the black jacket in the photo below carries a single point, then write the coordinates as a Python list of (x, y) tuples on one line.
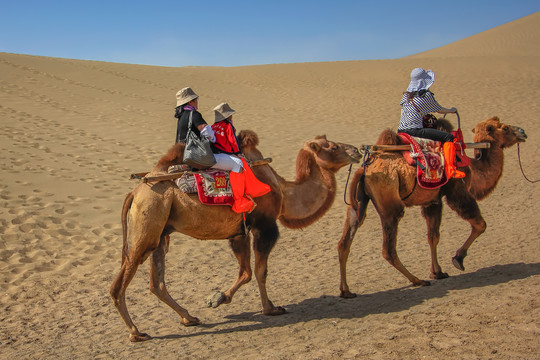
[(183, 121)]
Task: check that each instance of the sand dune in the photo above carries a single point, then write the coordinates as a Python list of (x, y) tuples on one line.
[(73, 131), (515, 38)]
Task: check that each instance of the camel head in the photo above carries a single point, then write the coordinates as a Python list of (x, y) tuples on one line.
[(248, 141), (444, 124), (497, 134), (328, 154)]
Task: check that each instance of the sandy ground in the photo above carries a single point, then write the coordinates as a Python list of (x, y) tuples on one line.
[(73, 131)]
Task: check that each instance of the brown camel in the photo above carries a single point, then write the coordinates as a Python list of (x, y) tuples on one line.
[(390, 183), (155, 210)]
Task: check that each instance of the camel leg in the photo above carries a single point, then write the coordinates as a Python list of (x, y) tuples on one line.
[(240, 247), (353, 221), (390, 217), (118, 293), (264, 239), (433, 216), (467, 208), (157, 282), (390, 208)]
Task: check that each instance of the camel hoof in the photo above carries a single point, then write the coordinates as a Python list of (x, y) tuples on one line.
[(140, 337), (458, 263), (195, 321), (276, 310), (422, 283), (215, 300), (347, 294), (439, 276)]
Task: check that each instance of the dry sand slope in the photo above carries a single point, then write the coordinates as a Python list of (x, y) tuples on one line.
[(72, 131)]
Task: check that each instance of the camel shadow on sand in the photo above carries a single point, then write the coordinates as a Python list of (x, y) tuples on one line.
[(382, 302)]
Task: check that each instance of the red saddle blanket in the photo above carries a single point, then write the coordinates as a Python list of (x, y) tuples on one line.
[(428, 157), (212, 186)]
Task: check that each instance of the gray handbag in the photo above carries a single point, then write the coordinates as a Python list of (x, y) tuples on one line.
[(198, 152)]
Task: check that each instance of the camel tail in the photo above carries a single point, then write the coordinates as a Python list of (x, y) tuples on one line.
[(356, 189), (125, 208)]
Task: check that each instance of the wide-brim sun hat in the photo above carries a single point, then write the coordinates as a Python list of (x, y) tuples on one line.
[(185, 95), (421, 80), (222, 112)]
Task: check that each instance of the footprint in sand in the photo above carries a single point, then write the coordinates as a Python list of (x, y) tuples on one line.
[(60, 211), (62, 232), (20, 219), (54, 220), (26, 228), (41, 224), (8, 238)]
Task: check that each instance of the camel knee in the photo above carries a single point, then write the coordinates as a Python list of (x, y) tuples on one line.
[(344, 246), (116, 291), (115, 294), (262, 275), (433, 239), (158, 289), (481, 226), (246, 277), (389, 255)]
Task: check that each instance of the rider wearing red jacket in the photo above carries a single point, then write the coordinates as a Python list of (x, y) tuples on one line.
[(225, 135), (244, 184)]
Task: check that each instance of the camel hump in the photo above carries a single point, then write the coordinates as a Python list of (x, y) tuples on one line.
[(388, 137), (248, 139)]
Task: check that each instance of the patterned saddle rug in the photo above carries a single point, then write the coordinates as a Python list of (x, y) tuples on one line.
[(212, 186), (428, 157)]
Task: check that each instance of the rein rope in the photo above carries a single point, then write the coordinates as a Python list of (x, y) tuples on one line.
[(367, 153), (521, 167), (346, 186)]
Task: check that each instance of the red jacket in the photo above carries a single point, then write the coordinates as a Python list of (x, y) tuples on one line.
[(226, 137)]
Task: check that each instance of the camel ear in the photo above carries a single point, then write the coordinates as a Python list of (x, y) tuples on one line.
[(315, 146)]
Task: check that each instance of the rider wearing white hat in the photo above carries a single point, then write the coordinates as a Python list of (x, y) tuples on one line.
[(417, 102)]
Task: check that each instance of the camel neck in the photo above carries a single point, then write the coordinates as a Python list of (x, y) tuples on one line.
[(486, 172)]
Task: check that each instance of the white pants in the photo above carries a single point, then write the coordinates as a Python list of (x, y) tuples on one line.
[(228, 162)]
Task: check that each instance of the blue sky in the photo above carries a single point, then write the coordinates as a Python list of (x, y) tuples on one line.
[(236, 33)]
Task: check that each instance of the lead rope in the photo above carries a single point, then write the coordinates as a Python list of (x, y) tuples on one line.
[(521, 167), (366, 149), (347, 186)]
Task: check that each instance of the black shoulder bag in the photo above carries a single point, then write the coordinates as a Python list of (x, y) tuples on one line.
[(198, 152)]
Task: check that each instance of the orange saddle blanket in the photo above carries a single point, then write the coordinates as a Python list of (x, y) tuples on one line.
[(428, 157)]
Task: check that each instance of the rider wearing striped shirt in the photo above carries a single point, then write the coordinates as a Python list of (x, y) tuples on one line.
[(418, 101)]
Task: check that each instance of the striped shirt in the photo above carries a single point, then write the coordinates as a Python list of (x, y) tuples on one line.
[(410, 117)]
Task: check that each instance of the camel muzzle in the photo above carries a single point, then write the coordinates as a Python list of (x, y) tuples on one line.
[(353, 152), (520, 133)]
